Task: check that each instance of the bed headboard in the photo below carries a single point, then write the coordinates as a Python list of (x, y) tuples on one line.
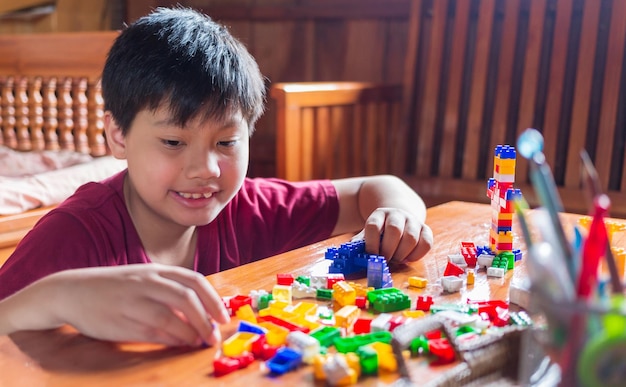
[(50, 95)]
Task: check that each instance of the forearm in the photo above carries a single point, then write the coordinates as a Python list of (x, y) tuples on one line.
[(29, 309), (389, 192), (361, 196)]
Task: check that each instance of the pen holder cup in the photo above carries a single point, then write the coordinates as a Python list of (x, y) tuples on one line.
[(587, 341)]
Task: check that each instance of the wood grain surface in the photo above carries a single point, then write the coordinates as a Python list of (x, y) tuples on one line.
[(65, 357)]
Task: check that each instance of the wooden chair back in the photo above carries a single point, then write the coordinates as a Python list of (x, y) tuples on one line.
[(338, 130), (50, 95)]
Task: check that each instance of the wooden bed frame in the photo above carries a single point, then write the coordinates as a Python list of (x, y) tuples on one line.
[(517, 66), (50, 99)]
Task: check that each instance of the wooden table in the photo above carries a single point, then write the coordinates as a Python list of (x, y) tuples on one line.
[(64, 357)]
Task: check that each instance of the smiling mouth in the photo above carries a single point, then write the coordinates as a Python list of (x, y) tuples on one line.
[(187, 195)]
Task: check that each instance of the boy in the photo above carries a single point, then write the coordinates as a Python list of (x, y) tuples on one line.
[(181, 99)]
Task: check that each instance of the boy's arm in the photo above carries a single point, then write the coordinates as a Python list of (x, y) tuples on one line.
[(142, 302), (390, 213)]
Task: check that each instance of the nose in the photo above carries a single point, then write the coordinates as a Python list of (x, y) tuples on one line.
[(203, 165)]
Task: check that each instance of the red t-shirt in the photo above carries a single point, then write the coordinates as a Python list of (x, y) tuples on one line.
[(93, 228)]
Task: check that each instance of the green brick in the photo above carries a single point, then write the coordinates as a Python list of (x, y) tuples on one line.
[(324, 294), (326, 335), (368, 357), (304, 280), (352, 343)]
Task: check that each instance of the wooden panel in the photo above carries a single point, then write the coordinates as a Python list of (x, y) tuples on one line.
[(16, 5), (59, 54), (611, 87), (582, 93), (482, 46)]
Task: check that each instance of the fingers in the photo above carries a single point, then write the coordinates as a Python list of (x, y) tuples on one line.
[(191, 295), (208, 296), (395, 235)]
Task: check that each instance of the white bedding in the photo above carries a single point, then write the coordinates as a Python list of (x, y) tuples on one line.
[(34, 179)]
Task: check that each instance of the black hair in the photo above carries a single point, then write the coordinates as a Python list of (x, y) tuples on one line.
[(183, 60)]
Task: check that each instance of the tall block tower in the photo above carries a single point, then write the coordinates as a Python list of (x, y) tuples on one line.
[(501, 192)]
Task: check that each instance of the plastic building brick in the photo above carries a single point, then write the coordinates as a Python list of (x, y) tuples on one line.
[(344, 294), (307, 345), (326, 335), (262, 350), (254, 297), (368, 358), (362, 325), (360, 290), (386, 359), (290, 326), (282, 293), (424, 303), (471, 277), (414, 313), (381, 322), (495, 272), (338, 372), (238, 301), (388, 300), (333, 278), (351, 343), (300, 290), (285, 360), (453, 270), (324, 294), (226, 365), (418, 282), (264, 301), (346, 316), (468, 308), (458, 260), (276, 335), (284, 279), (238, 343), (304, 309), (521, 318), (485, 260), (349, 258), (395, 322), (245, 313), (451, 283), (304, 280), (378, 275), (360, 302), (318, 281), (245, 326), (468, 251), (442, 349)]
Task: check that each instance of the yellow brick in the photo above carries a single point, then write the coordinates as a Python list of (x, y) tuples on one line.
[(418, 282)]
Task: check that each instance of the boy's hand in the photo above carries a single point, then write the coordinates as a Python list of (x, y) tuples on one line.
[(397, 235), (143, 302)]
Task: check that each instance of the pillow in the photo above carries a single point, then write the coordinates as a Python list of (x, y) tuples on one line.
[(19, 194), (15, 163)]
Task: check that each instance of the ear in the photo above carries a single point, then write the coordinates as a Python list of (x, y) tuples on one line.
[(115, 137)]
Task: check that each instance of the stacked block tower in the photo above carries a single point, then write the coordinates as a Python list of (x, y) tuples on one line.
[(501, 192)]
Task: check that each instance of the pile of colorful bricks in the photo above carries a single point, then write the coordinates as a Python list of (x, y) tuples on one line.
[(344, 330)]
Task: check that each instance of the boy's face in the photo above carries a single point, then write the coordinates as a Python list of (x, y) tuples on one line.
[(182, 176)]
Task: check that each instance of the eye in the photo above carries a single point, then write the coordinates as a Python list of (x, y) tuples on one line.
[(171, 143), (228, 144)]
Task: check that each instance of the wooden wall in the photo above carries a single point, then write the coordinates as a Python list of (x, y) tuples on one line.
[(292, 40), (65, 16)]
